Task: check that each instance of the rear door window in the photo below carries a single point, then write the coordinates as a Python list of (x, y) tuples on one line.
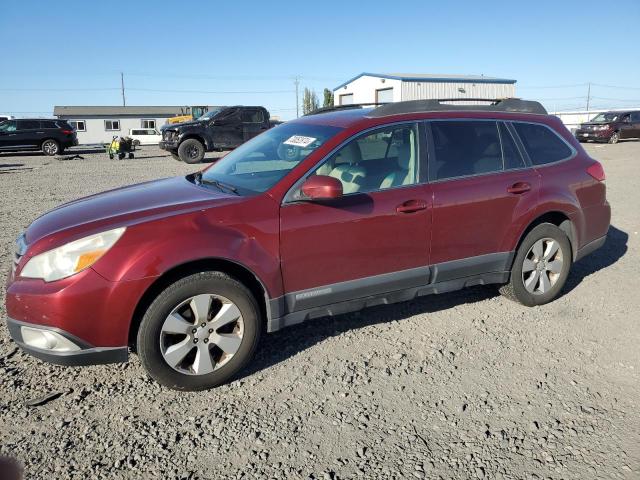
[(464, 148), (28, 124), (252, 116), (542, 144)]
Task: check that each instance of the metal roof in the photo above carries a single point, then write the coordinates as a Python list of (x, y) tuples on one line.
[(431, 77), (115, 111)]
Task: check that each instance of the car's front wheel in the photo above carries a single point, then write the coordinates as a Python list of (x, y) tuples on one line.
[(191, 151), (614, 138), (199, 332), (50, 147), (541, 266)]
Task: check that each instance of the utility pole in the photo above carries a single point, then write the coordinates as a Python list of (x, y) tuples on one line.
[(588, 96), (296, 81), (124, 101)]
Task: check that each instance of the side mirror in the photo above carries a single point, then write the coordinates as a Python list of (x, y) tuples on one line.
[(321, 187)]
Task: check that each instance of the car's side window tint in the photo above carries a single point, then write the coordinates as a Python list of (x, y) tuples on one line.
[(463, 148), (386, 158), (542, 144), (510, 152)]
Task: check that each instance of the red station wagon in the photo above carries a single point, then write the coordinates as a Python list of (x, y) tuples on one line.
[(323, 215)]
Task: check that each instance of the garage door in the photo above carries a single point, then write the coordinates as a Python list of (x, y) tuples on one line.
[(384, 95), (346, 99)]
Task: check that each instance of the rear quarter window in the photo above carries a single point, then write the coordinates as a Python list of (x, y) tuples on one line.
[(542, 144)]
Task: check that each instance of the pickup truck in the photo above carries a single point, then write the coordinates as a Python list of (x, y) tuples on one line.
[(222, 128)]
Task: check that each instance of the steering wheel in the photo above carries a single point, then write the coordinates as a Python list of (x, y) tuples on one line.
[(289, 153)]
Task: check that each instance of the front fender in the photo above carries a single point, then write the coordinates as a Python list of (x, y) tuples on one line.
[(150, 249)]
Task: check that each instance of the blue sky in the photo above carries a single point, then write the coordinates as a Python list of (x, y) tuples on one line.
[(72, 52)]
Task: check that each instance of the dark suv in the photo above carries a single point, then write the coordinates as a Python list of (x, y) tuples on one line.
[(50, 136), (610, 127), (223, 128), (322, 215)]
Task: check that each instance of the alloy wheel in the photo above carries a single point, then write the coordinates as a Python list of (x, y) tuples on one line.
[(201, 334), (50, 147), (542, 266)]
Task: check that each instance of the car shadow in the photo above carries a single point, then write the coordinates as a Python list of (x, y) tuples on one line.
[(287, 342), (613, 249)]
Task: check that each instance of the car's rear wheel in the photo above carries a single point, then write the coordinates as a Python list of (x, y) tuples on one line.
[(614, 138), (541, 266), (50, 147), (199, 332), (191, 151)]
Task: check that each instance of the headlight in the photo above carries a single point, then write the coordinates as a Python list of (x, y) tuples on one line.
[(71, 258)]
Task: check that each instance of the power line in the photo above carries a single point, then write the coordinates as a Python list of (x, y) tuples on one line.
[(153, 90), (30, 90)]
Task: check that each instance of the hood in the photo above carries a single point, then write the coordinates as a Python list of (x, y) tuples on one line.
[(126, 206), (190, 123)]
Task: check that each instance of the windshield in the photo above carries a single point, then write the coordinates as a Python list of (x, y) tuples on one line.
[(210, 114), (606, 117), (260, 163)]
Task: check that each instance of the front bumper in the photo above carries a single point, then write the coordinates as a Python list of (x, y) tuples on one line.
[(54, 345), (170, 146), (599, 135)]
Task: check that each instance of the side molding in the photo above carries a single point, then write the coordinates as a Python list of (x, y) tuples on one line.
[(354, 295)]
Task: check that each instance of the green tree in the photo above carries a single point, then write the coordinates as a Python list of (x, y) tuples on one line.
[(309, 101), (328, 98)]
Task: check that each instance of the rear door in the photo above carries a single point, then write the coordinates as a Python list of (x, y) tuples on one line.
[(29, 134), (373, 239), (253, 122), (481, 186), (227, 129)]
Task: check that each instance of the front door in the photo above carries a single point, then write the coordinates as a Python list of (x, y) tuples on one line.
[(8, 134), (29, 134), (480, 182), (374, 239)]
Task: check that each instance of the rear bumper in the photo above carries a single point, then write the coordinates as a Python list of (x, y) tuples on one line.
[(77, 352)]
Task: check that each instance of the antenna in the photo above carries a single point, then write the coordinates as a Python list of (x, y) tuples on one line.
[(124, 101)]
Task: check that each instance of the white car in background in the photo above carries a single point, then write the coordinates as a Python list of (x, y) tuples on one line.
[(145, 136)]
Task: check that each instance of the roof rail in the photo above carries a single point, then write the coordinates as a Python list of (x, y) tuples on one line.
[(350, 106), (436, 105)]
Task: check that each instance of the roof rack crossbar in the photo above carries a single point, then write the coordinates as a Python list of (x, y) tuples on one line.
[(516, 105), (333, 108)]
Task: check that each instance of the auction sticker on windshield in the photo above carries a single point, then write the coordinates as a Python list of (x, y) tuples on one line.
[(299, 141)]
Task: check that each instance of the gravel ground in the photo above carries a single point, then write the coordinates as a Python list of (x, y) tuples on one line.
[(462, 385)]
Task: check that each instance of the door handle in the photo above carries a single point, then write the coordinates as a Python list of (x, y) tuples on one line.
[(39, 132), (519, 187), (411, 206)]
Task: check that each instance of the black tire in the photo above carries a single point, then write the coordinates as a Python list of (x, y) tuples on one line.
[(121, 156), (175, 156), (516, 290), (149, 334), (130, 155), (50, 147), (191, 151), (614, 138), (136, 143)]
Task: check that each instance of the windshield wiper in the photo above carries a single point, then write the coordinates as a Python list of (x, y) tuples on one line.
[(216, 183)]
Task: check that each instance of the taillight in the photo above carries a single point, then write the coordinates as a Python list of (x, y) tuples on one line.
[(596, 171), (67, 132)]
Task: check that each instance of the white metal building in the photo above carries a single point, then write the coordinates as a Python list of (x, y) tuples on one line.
[(101, 124), (396, 87)]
